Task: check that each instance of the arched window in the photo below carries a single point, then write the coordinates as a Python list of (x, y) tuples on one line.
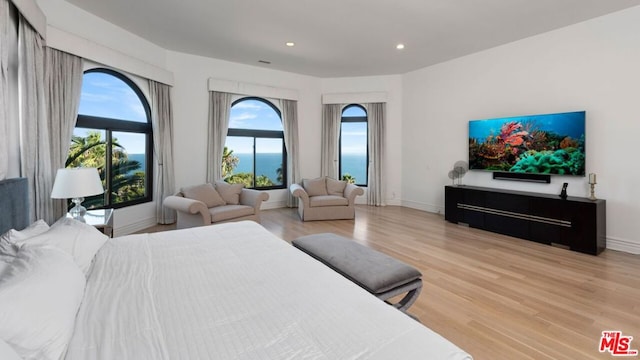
[(354, 153), (113, 133), (255, 153)]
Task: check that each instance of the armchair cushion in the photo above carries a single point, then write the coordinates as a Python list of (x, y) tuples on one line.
[(230, 212), (328, 200), (229, 192), (315, 187), (205, 193), (336, 187)]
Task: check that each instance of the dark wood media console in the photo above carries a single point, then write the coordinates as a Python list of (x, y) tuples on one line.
[(576, 223)]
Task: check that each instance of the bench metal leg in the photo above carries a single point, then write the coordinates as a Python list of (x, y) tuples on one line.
[(412, 291)]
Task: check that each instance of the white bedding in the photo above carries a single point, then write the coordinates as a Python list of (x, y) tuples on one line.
[(235, 291)]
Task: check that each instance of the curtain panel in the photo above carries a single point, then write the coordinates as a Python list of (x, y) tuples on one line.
[(219, 109), (4, 88), (331, 117), (63, 80), (162, 122), (290, 125), (376, 113), (35, 154)]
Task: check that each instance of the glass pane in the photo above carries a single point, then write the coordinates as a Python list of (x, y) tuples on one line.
[(353, 142), (128, 167), (88, 149), (105, 95), (254, 114), (269, 166), (237, 161), (351, 111)]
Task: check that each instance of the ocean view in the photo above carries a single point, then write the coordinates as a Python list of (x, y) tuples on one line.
[(268, 163), (139, 158)]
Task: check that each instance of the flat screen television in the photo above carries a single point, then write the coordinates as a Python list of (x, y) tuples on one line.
[(549, 144)]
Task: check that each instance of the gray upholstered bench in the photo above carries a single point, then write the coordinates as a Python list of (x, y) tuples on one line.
[(381, 275)]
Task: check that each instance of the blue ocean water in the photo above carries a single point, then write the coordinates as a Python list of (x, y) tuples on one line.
[(139, 158), (356, 166), (268, 163)]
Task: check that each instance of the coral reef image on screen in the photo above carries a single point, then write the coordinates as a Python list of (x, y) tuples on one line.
[(535, 144)]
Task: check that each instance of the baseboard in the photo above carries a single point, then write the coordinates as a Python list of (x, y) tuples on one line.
[(273, 205), (134, 227), (623, 245), (422, 206), (394, 202)]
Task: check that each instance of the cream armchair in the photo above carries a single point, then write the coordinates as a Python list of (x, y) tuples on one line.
[(205, 205), (326, 199)]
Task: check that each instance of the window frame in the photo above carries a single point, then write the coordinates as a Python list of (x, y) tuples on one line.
[(353, 119), (110, 125), (266, 134)]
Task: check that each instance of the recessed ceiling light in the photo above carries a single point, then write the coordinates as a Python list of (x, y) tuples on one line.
[(290, 44), (400, 46)]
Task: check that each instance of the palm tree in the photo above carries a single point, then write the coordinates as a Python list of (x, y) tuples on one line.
[(229, 162), (349, 178)]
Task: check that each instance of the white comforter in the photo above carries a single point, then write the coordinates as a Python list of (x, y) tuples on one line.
[(235, 291)]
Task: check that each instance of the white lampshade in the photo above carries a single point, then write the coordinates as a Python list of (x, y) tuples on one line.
[(76, 183)]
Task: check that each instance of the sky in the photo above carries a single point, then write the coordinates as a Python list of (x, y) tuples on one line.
[(105, 95), (254, 114), (354, 135)]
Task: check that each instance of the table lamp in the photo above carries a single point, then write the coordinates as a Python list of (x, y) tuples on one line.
[(75, 184)]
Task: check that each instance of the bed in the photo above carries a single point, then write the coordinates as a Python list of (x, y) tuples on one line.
[(230, 291)]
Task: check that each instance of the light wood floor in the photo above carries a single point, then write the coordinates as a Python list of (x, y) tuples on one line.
[(495, 296)]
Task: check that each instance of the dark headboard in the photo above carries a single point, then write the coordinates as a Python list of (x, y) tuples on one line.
[(14, 204)]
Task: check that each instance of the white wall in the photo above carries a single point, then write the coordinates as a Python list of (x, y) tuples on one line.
[(392, 86), (71, 19), (592, 66)]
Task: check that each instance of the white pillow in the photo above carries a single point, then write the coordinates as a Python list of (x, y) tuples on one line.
[(229, 192), (7, 352), (205, 193), (9, 239), (4, 263), (80, 240), (40, 294)]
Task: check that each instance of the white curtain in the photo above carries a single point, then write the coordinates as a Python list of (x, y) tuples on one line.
[(219, 109), (331, 116), (290, 125), (162, 120), (35, 154), (63, 79), (376, 139), (4, 87)]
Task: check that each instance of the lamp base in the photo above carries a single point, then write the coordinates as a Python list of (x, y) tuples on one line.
[(592, 195), (78, 211)]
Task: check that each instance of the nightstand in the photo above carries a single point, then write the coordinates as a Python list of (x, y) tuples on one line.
[(102, 219)]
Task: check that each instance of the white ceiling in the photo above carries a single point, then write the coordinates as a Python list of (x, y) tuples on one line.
[(336, 38)]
